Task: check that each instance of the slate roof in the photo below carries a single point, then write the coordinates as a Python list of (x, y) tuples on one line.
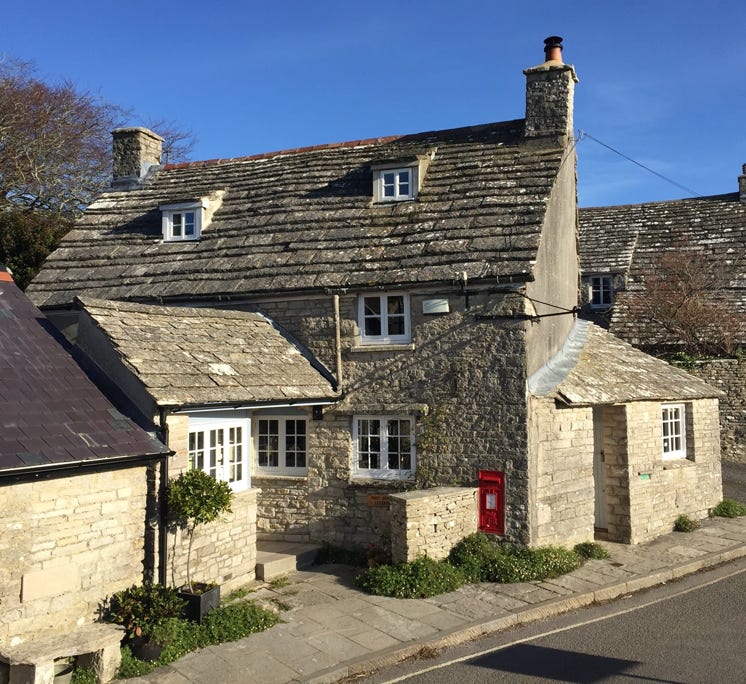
[(302, 219), (193, 356), (51, 414), (596, 368), (629, 239)]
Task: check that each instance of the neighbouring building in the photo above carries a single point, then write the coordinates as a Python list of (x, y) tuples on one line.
[(350, 323), (627, 250), (78, 484)]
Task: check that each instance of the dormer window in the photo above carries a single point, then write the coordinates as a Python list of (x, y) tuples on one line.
[(601, 291), (399, 180), (182, 221)]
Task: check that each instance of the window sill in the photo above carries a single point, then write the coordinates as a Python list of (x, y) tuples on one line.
[(394, 483), (677, 462), (279, 476), (383, 347)]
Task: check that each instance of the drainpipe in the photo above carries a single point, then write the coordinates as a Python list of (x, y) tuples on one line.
[(338, 341), (162, 507)]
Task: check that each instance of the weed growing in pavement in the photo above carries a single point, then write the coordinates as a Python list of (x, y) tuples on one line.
[(420, 578), (729, 508), (279, 582), (685, 524)]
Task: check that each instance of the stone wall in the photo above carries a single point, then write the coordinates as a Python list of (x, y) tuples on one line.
[(659, 490), (463, 380), (282, 508), (430, 522), (68, 542), (223, 551), (728, 375), (562, 497)]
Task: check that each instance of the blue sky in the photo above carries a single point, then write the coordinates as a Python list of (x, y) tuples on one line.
[(661, 81)]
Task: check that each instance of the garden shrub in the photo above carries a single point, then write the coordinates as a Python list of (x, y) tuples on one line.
[(420, 578), (729, 508), (591, 551), (471, 555), (141, 606)]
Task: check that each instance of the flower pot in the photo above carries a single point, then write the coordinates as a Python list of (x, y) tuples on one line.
[(63, 671), (144, 649), (200, 601)]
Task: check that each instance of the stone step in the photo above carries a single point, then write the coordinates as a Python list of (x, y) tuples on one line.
[(274, 559)]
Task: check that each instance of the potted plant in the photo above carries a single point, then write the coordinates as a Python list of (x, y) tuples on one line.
[(194, 498), (140, 609)]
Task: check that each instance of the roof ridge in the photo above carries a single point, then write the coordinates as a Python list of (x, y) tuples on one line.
[(700, 198), (328, 146)]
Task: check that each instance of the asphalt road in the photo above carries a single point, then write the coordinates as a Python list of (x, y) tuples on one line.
[(687, 632)]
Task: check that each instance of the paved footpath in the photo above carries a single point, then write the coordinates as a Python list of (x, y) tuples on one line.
[(330, 630)]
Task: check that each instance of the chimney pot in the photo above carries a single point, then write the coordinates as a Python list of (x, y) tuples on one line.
[(742, 186), (553, 49)]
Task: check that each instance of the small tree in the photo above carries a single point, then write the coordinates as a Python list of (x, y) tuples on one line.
[(194, 498), (686, 304)]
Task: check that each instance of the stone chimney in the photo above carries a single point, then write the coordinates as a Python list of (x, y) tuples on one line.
[(742, 185), (549, 95), (136, 151)]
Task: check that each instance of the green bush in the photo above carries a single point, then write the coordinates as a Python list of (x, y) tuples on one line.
[(591, 551), (729, 508), (141, 606), (685, 524), (179, 637), (83, 675), (471, 555), (420, 578)]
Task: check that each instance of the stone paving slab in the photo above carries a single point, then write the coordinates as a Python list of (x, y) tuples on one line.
[(332, 630)]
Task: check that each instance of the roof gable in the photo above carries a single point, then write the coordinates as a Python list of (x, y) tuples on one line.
[(305, 219)]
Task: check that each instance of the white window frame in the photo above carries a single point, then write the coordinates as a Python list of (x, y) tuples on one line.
[(383, 315), (174, 231), (210, 447), (604, 285), (373, 448), (282, 467), (390, 179), (673, 431)]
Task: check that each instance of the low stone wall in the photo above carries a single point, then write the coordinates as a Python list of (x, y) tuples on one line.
[(728, 375), (223, 551), (65, 544), (430, 522)]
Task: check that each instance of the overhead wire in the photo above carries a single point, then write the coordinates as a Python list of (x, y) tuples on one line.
[(584, 134)]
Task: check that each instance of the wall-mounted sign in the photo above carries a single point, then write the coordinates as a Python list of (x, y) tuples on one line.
[(378, 500), (435, 306)]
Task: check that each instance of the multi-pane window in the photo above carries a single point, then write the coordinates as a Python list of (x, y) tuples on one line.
[(182, 224), (384, 318), (181, 221), (601, 291), (384, 446), (219, 450), (674, 430), (281, 446), (392, 185)]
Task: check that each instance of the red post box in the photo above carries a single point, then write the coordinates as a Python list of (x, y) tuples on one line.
[(492, 501)]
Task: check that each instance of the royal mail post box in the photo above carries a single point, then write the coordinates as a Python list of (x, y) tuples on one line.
[(492, 501)]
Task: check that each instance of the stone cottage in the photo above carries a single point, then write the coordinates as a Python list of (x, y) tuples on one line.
[(430, 283), (703, 239), (78, 485)]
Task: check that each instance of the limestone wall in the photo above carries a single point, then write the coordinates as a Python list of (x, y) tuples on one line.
[(430, 522), (282, 508), (463, 380), (562, 493), (65, 544), (728, 375), (661, 490), (223, 551)]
